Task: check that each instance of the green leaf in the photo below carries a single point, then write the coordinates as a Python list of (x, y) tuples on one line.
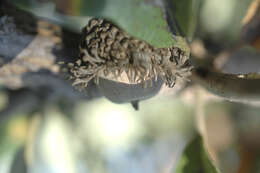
[(183, 14), (195, 159), (142, 19)]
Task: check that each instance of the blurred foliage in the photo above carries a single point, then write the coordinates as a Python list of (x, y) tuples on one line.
[(221, 21), (104, 135), (232, 131), (12, 137)]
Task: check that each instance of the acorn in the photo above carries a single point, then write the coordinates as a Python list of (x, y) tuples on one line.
[(125, 68)]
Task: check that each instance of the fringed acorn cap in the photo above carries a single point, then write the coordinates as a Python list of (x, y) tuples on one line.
[(108, 52)]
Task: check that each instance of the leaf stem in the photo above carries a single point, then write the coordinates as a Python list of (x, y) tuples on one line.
[(233, 87)]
